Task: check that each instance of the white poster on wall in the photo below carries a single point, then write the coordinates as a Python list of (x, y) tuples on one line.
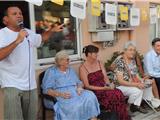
[(35, 2), (78, 8), (134, 16), (153, 15), (111, 14)]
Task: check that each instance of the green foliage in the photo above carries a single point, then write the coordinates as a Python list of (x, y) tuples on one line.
[(110, 61), (140, 56)]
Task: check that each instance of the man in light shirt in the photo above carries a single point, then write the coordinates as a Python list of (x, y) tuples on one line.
[(17, 73), (152, 62)]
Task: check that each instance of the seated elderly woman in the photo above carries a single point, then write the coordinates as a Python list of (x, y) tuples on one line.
[(93, 74), (73, 102), (129, 80)]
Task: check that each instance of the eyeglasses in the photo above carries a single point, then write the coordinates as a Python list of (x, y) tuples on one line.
[(131, 49), (66, 59)]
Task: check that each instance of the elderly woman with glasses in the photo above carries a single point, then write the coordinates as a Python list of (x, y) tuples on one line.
[(129, 80), (73, 102)]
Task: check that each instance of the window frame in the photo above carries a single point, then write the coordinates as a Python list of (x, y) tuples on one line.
[(47, 61), (156, 25)]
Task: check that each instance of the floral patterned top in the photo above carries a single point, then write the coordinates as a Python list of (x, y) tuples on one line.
[(123, 68)]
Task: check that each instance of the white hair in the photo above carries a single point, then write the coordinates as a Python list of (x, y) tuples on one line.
[(60, 56), (129, 43)]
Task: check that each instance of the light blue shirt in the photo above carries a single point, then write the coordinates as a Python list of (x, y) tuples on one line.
[(152, 64)]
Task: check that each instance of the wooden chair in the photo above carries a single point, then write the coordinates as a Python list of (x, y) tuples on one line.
[(45, 96)]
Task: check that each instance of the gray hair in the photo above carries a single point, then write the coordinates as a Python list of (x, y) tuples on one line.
[(129, 43), (60, 56)]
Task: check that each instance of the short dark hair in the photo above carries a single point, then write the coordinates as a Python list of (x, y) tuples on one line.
[(90, 49), (155, 40), (5, 13)]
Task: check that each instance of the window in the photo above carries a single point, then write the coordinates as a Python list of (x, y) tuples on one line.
[(154, 28), (158, 27), (40, 18), (49, 15)]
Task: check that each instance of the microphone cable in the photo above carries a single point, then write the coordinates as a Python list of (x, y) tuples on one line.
[(29, 73)]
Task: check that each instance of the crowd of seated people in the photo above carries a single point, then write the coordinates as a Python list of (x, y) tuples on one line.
[(76, 102)]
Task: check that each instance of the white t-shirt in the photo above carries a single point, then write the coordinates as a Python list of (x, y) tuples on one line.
[(14, 70)]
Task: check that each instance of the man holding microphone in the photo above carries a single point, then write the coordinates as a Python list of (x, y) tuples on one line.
[(17, 72)]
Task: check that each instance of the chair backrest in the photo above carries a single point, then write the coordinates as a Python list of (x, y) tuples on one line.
[(44, 96)]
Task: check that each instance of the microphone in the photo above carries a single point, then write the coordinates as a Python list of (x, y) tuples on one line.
[(20, 24)]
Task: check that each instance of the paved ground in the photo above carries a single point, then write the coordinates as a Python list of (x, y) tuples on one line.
[(149, 116)]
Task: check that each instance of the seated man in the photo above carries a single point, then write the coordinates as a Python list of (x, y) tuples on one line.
[(129, 80), (73, 102), (152, 62)]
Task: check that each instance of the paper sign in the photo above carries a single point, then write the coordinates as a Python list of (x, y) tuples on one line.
[(134, 16), (144, 14), (96, 7), (123, 12), (35, 2), (59, 2), (111, 14), (78, 8), (153, 15)]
